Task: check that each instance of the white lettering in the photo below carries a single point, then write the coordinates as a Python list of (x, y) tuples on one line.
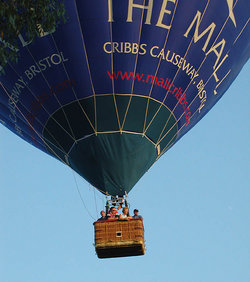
[(214, 49), (149, 9), (214, 73), (57, 61), (162, 13), (198, 36), (151, 51)]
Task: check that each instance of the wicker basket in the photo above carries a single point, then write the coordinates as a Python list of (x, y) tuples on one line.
[(117, 238)]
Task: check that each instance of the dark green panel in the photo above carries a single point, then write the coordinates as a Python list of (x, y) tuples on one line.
[(56, 151), (70, 123), (55, 131), (169, 134), (80, 123), (152, 107), (106, 114), (113, 162), (157, 125), (59, 117), (88, 105), (122, 104), (136, 114)]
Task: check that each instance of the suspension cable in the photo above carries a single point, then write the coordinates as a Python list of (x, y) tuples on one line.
[(95, 202), (80, 195)]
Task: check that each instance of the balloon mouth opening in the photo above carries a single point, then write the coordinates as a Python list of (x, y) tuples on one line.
[(109, 139)]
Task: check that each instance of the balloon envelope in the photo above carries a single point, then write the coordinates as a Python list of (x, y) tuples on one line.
[(113, 88)]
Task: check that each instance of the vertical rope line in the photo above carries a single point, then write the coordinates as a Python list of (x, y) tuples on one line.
[(206, 58), (32, 93), (221, 81), (32, 126), (176, 72), (158, 66), (73, 90), (241, 31), (41, 72), (88, 66), (201, 66), (80, 195), (136, 60), (98, 189), (26, 132), (163, 151), (193, 101), (95, 202), (112, 70)]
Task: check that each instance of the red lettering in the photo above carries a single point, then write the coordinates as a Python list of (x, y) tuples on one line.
[(161, 82)]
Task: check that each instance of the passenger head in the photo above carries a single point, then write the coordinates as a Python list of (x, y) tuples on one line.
[(136, 211), (125, 210), (102, 213), (112, 210)]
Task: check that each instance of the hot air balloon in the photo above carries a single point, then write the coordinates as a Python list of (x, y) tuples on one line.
[(121, 81)]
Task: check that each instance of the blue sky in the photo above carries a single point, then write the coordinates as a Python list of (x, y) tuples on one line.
[(194, 200)]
